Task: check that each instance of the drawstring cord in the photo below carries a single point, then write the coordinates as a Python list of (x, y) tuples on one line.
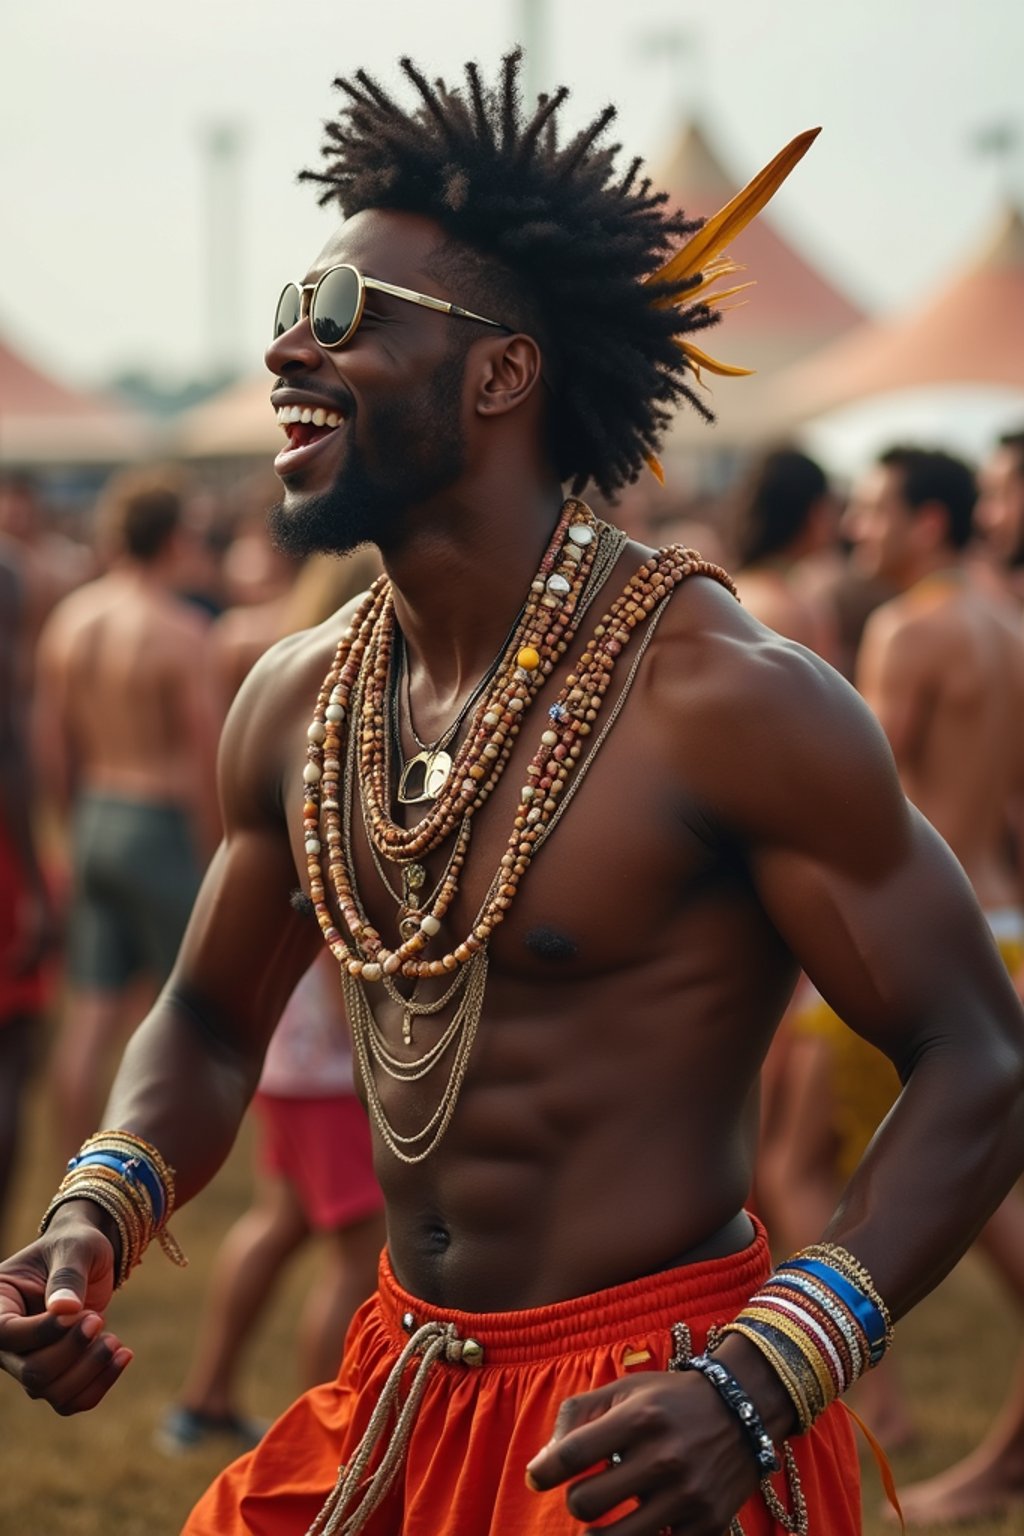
[(433, 1341)]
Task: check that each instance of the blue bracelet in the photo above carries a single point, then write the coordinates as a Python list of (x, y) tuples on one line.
[(737, 1401), (862, 1307), (131, 1168)]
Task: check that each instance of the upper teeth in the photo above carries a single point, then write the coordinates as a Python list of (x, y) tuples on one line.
[(287, 414)]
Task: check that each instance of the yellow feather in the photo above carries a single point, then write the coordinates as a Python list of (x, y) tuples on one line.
[(727, 293), (710, 240), (701, 359), (703, 258)]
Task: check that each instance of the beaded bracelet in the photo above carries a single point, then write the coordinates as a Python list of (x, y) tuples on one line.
[(133, 1167), (841, 1259), (857, 1303), (780, 1365), (129, 1180), (737, 1401)]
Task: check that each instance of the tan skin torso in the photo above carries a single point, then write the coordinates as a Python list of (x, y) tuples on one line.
[(774, 599), (596, 1137), (943, 667), (126, 667)]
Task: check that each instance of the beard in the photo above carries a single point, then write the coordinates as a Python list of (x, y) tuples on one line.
[(415, 450)]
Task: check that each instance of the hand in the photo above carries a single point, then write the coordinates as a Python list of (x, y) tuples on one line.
[(52, 1297), (677, 1450)]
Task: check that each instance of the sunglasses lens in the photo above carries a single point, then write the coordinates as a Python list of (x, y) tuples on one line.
[(335, 304), (289, 306)]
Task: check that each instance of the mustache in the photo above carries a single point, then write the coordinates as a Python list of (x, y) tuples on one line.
[(336, 392)]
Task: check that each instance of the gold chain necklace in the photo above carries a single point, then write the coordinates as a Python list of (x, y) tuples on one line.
[(551, 783)]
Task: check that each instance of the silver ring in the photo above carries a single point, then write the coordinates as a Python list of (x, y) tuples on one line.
[(615, 1459)]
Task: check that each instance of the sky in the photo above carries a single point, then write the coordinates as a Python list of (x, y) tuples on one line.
[(107, 208)]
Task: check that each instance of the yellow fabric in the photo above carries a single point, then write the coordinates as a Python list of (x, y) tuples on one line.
[(864, 1082)]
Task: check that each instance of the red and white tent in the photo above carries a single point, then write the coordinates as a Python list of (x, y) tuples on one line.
[(971, 332), (43, 421), (792, 311)]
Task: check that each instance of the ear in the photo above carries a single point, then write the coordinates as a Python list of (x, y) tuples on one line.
[(932, 521), (508, 373)]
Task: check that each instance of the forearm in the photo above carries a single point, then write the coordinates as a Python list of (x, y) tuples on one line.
[(942, 1161), (182, 1088)]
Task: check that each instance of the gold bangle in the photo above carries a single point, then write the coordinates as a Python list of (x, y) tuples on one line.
[(791, 1330), (126, 1141), (847, 1264), (781, 1367)]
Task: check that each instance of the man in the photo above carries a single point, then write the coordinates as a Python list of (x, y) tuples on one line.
[(128, 720), (313, 1169), (1000, 512), (942, 666), (783, 514), (565, 1191), (51, 564)]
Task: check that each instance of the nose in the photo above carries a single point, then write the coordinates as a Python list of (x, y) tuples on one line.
[(294, 351)]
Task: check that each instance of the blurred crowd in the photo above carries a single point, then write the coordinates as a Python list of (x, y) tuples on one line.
[(123, 645)]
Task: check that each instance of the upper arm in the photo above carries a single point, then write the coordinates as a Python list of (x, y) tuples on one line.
[(246, 946), (864, 892)]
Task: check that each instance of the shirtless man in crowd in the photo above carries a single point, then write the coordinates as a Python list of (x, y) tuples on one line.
[(942, 667), (565, 1183), (128, 718), (783, 512), (999, 517)]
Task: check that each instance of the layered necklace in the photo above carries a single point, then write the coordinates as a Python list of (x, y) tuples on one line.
[(349, 748)]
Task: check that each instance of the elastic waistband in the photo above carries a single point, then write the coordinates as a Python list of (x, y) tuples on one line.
[(709, 1291)]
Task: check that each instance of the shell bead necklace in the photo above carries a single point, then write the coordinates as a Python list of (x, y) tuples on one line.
[(572, 718)]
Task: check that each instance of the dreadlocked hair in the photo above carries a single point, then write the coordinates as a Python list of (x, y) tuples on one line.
[(550, 234)]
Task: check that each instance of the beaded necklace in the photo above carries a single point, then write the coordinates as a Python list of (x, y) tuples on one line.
[(354, 691)]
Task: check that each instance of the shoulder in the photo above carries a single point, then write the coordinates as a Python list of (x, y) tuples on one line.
[(77, 610), (271, 709), (765, 732)]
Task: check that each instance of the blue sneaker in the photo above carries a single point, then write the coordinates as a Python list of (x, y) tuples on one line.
[(182, 1430)]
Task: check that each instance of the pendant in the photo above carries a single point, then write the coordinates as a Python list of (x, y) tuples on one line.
[(416, 787), (409, 927), (407, 1028)]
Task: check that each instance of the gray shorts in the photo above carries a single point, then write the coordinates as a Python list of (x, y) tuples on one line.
[(135, 876)]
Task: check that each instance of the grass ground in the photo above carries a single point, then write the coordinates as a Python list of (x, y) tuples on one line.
[(98, 1474)]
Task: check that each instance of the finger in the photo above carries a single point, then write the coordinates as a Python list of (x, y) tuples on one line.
[(659, 1516), (585, 1407), (100, 1383), (65, 1288), (26, 1335), (581, 1449), (64, 1345), (64, 1374), (594, 1496)]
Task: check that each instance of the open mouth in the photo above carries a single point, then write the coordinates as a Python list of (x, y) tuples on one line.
[(304, 425)]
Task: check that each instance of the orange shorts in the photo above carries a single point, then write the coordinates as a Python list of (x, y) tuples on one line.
[(476, 1428)]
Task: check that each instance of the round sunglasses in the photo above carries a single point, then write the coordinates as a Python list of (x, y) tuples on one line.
[(335, 305)]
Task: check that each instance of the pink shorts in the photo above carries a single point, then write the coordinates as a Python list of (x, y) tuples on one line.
[(321, 1147)]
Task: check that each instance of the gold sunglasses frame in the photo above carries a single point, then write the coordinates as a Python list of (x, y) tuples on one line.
[(307, 298)]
